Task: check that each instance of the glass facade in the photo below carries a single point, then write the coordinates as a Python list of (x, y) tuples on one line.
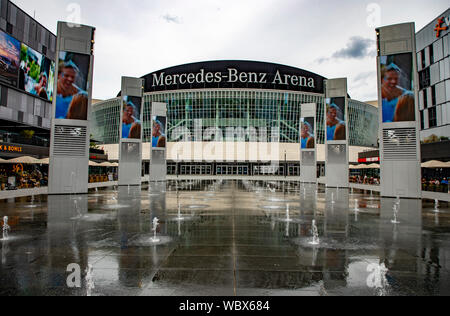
[(224, 108)]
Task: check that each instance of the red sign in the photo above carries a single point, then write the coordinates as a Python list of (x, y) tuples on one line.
[(440, 26), (363, 160)]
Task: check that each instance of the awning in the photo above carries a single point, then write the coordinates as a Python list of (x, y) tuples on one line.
[(25, 160), (105, 164), (44, 161), (363, 167), (434, 164), (93, 164)]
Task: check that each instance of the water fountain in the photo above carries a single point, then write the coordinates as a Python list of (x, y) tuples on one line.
[(286, 234), (436, 206), (356, 209), (332, 198), (79, 215), (396, 209), (270, 189), (6, 228), (179, 217), (288, 216), (89, 280), (154, 239), (315, 232)]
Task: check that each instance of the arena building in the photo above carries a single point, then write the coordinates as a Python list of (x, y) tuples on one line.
[(240, 101)]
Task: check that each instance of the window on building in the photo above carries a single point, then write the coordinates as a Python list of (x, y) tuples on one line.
[(9, 28), (424, 78), (432, 117), (424, 64), (425, 98), (422, 121), (431, 54), (433, 95)]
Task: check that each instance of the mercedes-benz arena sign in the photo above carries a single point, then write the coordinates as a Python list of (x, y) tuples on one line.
[(234, 74)]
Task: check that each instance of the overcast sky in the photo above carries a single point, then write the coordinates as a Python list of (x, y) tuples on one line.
[(331, 38)]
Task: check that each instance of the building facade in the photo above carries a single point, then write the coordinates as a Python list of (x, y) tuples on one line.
[(241, 96), (433, 56), (27, 63)]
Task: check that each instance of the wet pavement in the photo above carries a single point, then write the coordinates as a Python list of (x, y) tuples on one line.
[(233, 238)]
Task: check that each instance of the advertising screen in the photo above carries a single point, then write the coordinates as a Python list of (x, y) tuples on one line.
[(36, 75), (335, 116), (131, 114), (308, 140), (159, 132), (397, 88), (72, 95), (9, 59)]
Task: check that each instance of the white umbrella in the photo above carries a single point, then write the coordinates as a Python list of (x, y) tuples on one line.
[(44, 161), (105, 164), (434, 164), (373, 166), (25, 160), (93, 164)]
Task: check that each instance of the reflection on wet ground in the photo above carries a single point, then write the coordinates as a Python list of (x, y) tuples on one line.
[(227, 238)]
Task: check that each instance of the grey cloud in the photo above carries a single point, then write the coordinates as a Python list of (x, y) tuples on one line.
[(357, 48), (172, 19)]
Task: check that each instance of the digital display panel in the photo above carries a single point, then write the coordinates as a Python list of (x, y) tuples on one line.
[(36, 75), (308, 139), (72, 96), (9, 59), (397, 88), (131, 113), (159, 139), (336, 127)]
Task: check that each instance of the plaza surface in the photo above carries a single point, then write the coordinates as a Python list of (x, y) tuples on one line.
[(238, 238)]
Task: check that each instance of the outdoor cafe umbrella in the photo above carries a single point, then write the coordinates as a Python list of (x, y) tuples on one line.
[(25, 160), (44, 161), (105, 164), (373, 166), (434, 164)]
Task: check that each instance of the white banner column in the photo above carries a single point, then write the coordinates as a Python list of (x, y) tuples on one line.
[(399, 112), (158, 148), (130, 148), (70, 133), (336, 134), (308, 148)]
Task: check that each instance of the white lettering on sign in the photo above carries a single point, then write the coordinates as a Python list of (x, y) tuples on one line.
[(231, 76)]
